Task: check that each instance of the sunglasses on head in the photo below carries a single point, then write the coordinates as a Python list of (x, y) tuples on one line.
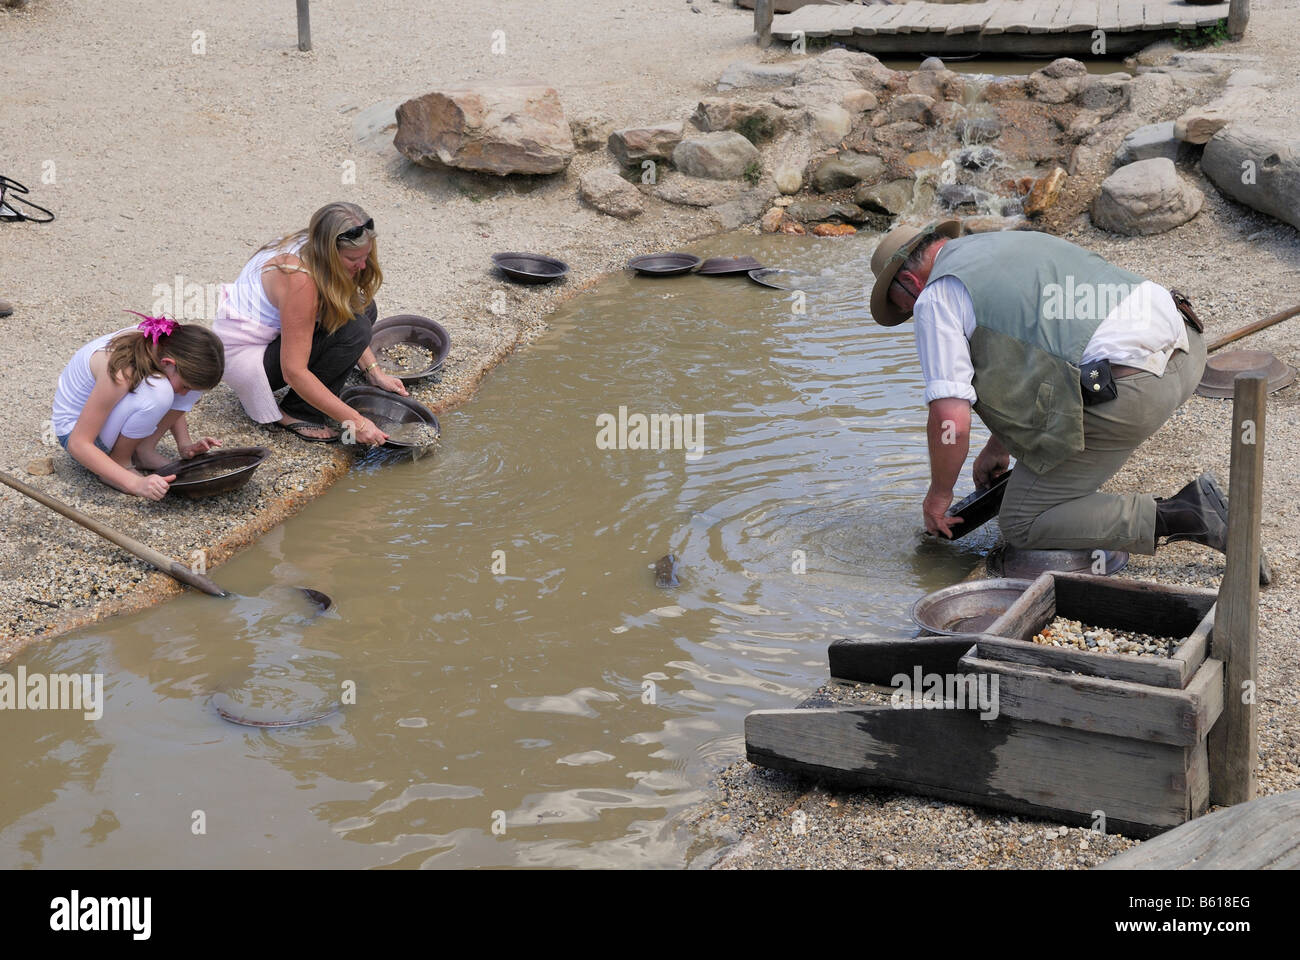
[(356, 232)]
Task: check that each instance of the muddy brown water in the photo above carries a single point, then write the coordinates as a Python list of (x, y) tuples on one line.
[(524, 695)]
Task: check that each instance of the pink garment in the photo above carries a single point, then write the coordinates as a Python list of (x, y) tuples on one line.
[(245, 342)]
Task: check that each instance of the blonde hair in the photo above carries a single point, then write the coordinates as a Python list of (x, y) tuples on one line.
[(338, 294), (198, 353)]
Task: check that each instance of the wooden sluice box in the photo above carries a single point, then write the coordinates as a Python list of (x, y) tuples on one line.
[(1076, 735)]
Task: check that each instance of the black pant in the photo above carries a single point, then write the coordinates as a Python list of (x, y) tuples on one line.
[(332, 356)]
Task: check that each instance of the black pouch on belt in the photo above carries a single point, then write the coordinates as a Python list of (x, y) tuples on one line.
[(1185, 308), (1097, 382)]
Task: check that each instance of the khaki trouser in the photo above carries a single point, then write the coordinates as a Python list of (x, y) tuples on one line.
[(1061, 509)]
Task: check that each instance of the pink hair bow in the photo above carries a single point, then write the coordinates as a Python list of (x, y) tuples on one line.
[(154, 327)]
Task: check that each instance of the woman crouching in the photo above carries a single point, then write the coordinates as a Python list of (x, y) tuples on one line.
[(300, 316), (120, 393)]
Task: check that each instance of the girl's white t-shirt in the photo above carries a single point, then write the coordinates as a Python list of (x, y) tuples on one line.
[(136, 415)]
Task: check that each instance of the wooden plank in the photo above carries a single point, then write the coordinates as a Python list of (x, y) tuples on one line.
[(1261, 834), (1192, 651), (1083, 15), (912, 13), (1045, 14), (841, 19), (1141, 605), (1100, 705), (976, 15), (1029, 612), (1148, 671), (1108, 15), (884, 20), (764, 11), (1130, 14), (1028, 768), (1234, 746), (1001, 14), (1024, 16), (1198, 780), (880, 660)]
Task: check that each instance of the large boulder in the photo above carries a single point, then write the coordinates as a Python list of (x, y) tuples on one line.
[(891, 198), (715, 156), (1257, 166), (847, 169), (814, 211), (916, 107), (1058, 82), (756, 120), (633, 145), (1145, 197), (609, 193), (1199, 124), (489, 128), (695, 192), (1147, 142), (742, 75)]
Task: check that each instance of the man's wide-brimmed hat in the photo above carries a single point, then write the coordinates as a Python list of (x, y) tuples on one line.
[(893, 249)]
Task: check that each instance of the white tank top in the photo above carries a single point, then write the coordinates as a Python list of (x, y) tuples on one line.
[(245, 299)]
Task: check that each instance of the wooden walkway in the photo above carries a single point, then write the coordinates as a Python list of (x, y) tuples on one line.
[(1031, 27)]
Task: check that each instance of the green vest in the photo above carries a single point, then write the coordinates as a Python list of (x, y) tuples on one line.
[(1038, 301)]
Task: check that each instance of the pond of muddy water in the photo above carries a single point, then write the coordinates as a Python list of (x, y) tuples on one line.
[(514, 690)]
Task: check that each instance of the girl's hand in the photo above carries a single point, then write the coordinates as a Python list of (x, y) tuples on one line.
[(152, 487), (387, 382), (202, 445)]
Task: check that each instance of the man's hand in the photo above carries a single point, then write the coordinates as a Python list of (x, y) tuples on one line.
[(991, 463), (935, 506)]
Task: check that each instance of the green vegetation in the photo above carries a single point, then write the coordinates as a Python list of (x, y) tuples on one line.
[(756, 128), (1209, 36), (753, 171)]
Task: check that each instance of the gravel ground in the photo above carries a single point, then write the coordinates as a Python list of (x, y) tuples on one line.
[(1237, 266), (167, 162)]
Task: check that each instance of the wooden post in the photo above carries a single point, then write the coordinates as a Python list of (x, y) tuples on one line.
[(304, 25), (763, 13), (1238, 14), (1234, 740)]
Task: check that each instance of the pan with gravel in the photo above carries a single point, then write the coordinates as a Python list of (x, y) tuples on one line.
[(220, 471)]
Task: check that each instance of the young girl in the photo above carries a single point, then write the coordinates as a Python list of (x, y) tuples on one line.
[(120, 393)]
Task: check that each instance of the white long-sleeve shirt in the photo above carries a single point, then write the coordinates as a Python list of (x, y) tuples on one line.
[(1143, 330)]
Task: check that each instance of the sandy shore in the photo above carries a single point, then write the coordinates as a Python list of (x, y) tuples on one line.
[(168, 162)]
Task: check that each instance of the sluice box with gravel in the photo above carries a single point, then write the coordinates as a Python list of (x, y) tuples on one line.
[(1078, 736)]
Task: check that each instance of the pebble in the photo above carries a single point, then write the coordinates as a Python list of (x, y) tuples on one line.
[(1062, 632)]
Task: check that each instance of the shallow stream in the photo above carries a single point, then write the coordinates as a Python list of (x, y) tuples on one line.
[(524, 694)]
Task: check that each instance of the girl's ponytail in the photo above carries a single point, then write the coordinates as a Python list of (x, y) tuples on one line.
[(199, 355)]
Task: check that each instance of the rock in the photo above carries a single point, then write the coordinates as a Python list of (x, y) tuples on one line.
[(923, 158), (793, 228), (1084, 158), (490, 129), (1145, 197), (782, 201), (846, 169), (833, 230), (938, 85), (977, 158), (1156, 53), (633, 145), (903, 135), (891, 198), (1150, 95), (916, 107), (859, 101), (1270, 156), (1044, 192), (590, 132), (932, 63), (1063, 67), (1105, 94), (41, 466), (1152, 140), (1199, 124), (789, 178), (609, 193), (812, 211), (747, 207), (832, 123), (988, 224), (771, 221), (1048, 88), (755, 120), (695, 192), (978, 129), (1006, 88), (740, 75), (717, 156), (956, 196)]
